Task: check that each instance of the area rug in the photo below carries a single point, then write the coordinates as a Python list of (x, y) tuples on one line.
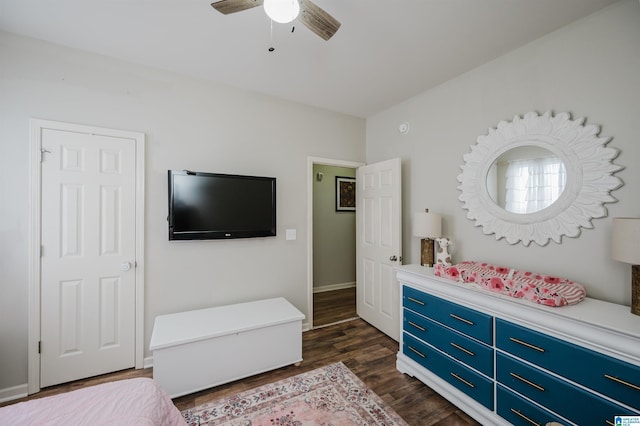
[(328, 396)]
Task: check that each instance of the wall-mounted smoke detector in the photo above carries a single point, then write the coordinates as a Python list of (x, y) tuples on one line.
[(403, 128)]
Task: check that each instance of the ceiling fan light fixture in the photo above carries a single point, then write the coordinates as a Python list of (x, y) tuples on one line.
[(282, 11)]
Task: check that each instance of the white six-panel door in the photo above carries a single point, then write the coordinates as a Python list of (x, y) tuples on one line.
[(88, 229), (379, 245)]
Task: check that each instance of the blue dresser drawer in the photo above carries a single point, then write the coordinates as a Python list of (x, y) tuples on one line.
[(462, 348), (520, 412), (462, 378), (569, 401), (465, 320), (609, 376)]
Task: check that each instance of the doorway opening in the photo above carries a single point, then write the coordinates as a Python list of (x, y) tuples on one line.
[(332, 241)]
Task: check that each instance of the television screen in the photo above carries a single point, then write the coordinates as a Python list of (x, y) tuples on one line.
[(206, 206)]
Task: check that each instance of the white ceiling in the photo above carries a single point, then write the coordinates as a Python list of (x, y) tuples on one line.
[(385, 51)]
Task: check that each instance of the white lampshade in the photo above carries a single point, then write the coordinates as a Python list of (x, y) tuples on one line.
[(282, 11), (625, 243), (427, 225)]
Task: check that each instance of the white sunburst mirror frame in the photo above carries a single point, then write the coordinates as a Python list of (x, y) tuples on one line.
[(589, 166)]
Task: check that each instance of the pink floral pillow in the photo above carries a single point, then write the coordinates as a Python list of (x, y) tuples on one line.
[(544, 289)]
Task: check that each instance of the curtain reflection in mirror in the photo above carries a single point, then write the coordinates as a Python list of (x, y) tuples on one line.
[(533, 184)]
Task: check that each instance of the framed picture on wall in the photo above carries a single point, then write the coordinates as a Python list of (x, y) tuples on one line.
[(345, 194)]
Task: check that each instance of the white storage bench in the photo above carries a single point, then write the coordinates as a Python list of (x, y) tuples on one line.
[(200, 349)]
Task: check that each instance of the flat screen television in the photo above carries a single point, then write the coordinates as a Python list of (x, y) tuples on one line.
[(207, 206)]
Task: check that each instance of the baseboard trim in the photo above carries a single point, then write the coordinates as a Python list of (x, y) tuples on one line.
[(147, 362), (331, 287), (14, 392)]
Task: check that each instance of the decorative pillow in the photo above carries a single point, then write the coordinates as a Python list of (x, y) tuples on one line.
[(544, 289)]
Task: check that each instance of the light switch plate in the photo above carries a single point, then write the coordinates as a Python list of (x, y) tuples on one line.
[(290, 234)]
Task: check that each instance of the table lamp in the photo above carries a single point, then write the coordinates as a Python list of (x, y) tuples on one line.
[(625, 247), (427, 226)]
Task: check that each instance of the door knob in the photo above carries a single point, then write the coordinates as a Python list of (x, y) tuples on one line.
[(393, 258), (125, 266)]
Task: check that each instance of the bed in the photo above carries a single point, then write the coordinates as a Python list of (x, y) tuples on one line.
[(137, 401)]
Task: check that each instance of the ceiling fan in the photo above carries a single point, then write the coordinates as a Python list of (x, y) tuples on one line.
[(310, 14)]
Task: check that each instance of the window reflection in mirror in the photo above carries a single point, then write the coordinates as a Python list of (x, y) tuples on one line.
[(526, 179)]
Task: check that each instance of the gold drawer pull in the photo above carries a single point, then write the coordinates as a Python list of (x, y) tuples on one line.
[(522, 379), (417, 351), (466, 321), (466, 382), (622, 382), (419, 302), (529, 345), (518, 413), (460, 348), (417, 326)]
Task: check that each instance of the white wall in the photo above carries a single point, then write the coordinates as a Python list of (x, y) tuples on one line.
[(590, 69), (189, 124)]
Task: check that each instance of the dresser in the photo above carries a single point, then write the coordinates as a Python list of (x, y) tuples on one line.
[(508, 361)]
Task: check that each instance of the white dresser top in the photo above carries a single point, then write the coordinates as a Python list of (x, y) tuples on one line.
[(191, 326), (614, 324)]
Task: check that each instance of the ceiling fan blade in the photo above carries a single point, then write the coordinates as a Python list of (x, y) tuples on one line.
[(232, 6), (317, 20)]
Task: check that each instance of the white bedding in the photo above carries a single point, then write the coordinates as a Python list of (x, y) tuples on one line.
[(127, 402)]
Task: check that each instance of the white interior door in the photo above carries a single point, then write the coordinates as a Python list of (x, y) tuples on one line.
[(379, 244), (88, 254)]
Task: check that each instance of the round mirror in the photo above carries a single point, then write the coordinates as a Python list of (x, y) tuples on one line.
[(526, 179), (582, 180)]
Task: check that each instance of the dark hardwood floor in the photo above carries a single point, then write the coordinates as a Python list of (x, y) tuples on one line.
[(369, 353), (333, 306)]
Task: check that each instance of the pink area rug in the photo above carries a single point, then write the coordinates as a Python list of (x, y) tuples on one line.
[(330, 395)]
